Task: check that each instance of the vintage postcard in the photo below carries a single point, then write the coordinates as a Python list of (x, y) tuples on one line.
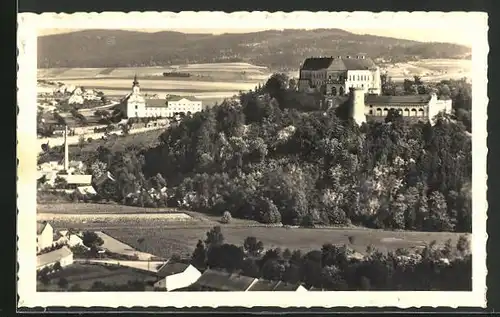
[(288, 155)]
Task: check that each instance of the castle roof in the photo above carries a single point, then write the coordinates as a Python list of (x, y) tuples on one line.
[(338, 63), (407, 99)]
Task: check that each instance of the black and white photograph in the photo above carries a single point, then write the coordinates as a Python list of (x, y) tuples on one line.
[(215, 152)]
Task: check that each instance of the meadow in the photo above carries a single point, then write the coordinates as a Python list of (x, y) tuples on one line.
[(84, 275), (431, 69), (182, 241), (209, 82)]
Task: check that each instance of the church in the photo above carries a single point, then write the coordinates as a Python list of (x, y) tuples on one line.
[(135, 105)]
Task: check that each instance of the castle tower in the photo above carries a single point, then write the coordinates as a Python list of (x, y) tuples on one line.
[(357, 110), (66, 152)]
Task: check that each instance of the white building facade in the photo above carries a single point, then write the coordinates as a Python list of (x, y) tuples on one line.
[(334, 76), (44, 236), (136, 106)]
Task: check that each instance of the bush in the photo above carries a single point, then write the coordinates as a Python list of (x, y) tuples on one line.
[(226, 217)]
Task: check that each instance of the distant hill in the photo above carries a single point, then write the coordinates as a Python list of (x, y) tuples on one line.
[(275, 49)]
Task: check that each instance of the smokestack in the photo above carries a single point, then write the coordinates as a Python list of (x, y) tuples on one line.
[(66, 154)]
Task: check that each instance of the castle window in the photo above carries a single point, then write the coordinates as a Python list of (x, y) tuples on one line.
[(135, 107), (420, 112), (370, 112), (334, 91)]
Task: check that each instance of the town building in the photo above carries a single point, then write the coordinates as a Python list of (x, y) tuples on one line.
[(276, 286), (172, 276), (62, 255), (333, 76), (365, 107), (44, 236), (65, 237), (135, 105), (213, 280)]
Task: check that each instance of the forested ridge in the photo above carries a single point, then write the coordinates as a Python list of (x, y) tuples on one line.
[(273, 157), (275, 49)]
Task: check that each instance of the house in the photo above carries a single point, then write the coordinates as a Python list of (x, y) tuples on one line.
[(135, 105), (212, 280), (63, 255), (273, 286), (334, 76), (68, 238), (173, 276), (44, 236)]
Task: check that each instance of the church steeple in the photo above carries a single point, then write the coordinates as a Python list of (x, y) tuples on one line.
[(135, 86)]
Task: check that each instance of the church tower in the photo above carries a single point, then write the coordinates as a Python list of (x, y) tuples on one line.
[(136, 89), (357, 110)]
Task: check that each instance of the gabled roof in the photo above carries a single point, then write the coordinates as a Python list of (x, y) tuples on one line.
[(171, 269), (178, 98), (335, 63), (263, 285), (407, 99), (223, 281), (40, 227), (53, 256), (156, 103), (283, 286)]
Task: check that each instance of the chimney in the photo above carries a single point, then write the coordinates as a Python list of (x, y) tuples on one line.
[(66, 154)]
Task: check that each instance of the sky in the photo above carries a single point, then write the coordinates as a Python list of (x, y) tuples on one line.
[(416, 34)]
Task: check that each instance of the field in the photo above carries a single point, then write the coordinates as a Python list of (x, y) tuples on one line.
[(84, 275), (209, 82), (164, 237), (431, 69)]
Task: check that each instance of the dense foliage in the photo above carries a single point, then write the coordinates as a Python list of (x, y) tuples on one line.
[(336, 268), (283, 50), (260, 160)]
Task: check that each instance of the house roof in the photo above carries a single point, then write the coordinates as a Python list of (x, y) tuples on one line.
[(172, 268), (283, 286), (40, 226), (264, 285), (177, 98), (53, 256), (223, 281), (408, 99), (156, 103), (336, 63), (316, 289)]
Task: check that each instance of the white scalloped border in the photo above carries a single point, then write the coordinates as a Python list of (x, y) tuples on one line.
[(28, 23)]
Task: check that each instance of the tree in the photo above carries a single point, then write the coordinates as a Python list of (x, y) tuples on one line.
[(269, 212), (463, 245), (226, 256), (57, 266), (91, 239), (214, 237), (253, 246), (439, 219), (63, 283), (250, 268), (60, 182), (199, 257)]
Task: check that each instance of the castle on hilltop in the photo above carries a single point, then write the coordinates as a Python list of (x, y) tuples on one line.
[(357, 79)]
